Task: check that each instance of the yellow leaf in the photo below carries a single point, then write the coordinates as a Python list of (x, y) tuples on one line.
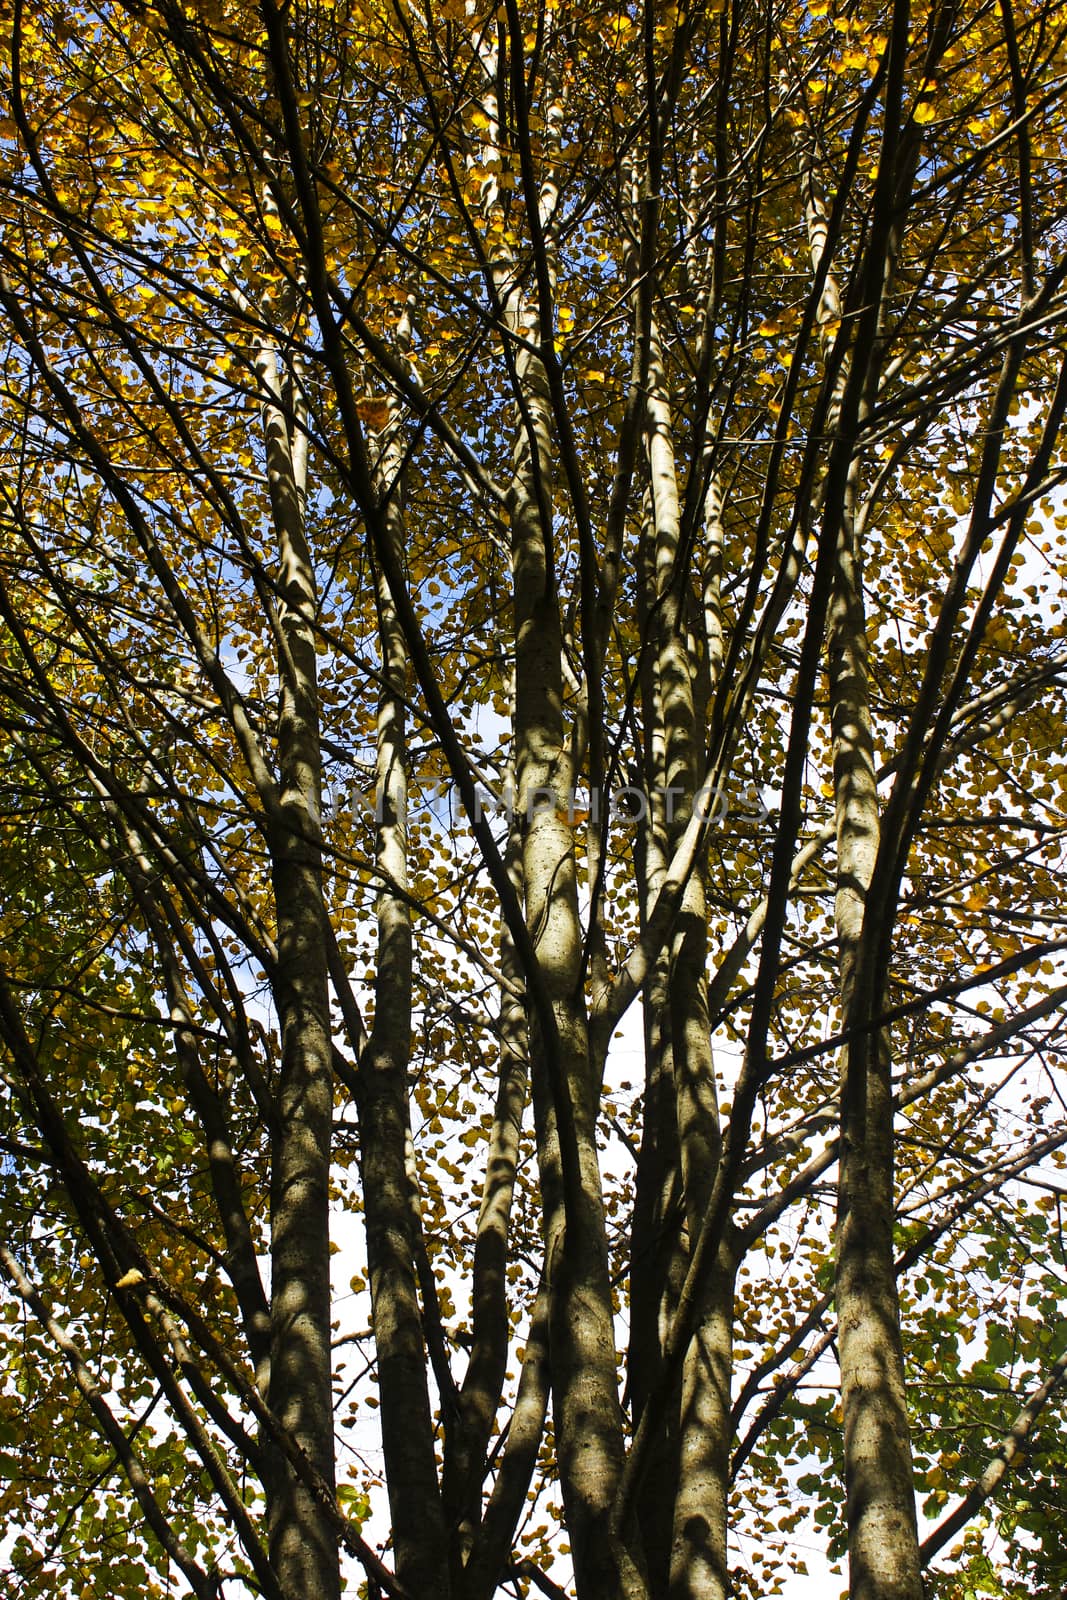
[(373, 411)]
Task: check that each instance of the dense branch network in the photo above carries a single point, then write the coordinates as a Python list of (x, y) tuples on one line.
[(531, 668)]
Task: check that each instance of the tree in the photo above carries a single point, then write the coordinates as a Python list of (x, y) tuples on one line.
[(516, 517)]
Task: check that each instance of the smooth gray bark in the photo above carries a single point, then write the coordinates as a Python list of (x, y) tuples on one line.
[(483, 1383), (587, 1414), (879, 1479), (698, 1561), (419, 1535), (303, 1546)]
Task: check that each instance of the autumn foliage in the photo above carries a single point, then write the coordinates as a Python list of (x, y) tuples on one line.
[(533, 640)]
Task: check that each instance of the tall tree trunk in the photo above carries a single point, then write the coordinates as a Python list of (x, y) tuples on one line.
[(699, 1551), (657, 1270), (657, 1245), (587, 1413), (483, 1383), (418, 1529), (698, 1563), (883, 1539), (586, 1410), (879, 1481), (303, 1546)]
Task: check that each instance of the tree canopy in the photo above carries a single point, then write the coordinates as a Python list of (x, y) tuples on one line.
[(533, 640)]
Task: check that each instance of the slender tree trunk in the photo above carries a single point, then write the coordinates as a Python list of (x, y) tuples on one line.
[(883, 1539), (698, 1563), (879, 1481), (586, 1410), (699, 1552), (303, 1546), (657, 1247), (657, 1268), (587, 1413), (483, 1382), (418, 1529)]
